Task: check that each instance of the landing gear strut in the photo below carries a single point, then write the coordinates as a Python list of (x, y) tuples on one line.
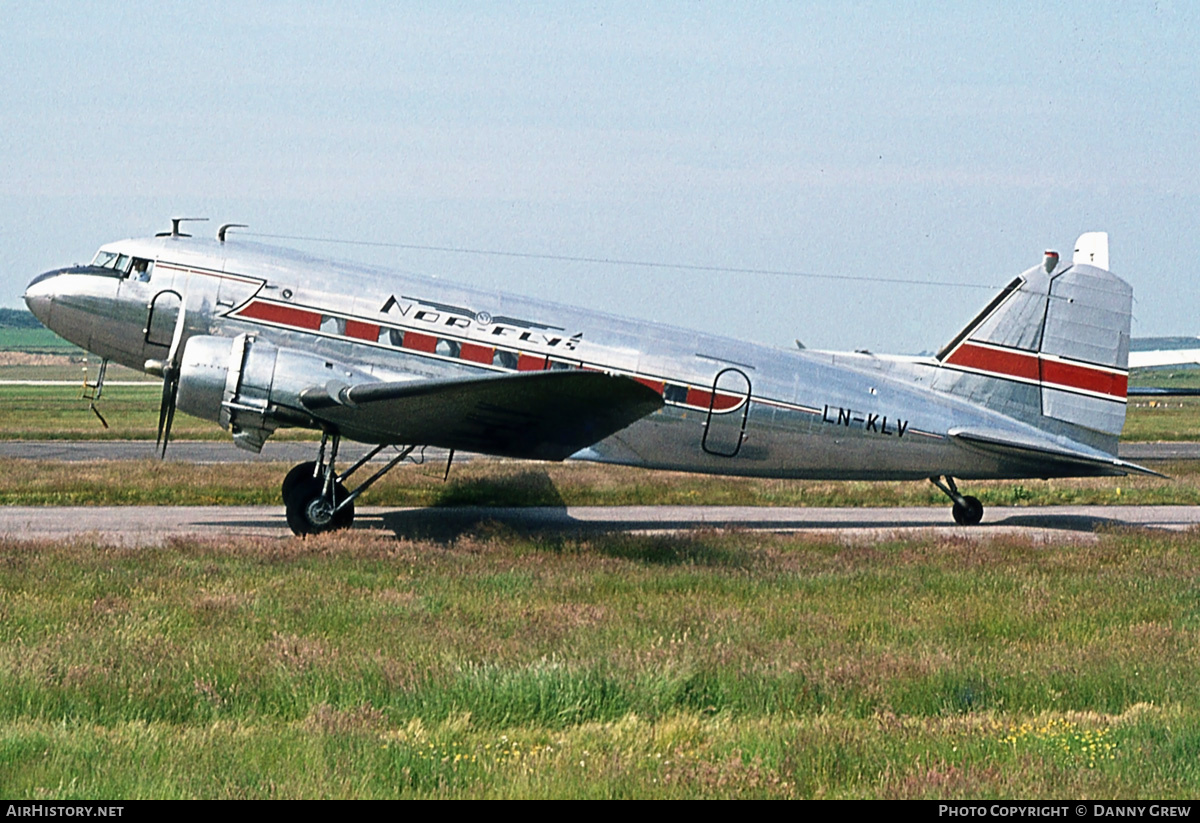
[(967, 511), (315, 496)]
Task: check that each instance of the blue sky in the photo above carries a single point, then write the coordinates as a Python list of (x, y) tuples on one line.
[(932, 142)]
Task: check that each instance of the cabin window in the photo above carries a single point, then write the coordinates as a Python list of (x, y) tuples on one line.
[(506, 359), (447, 348), (333, 325), (395, 337), (675, 394)]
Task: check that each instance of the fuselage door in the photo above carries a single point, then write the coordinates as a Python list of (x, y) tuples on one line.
[(728, 410), (160, 322)]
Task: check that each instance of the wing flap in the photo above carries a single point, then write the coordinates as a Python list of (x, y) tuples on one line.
[(1045, 452), (539, 415)]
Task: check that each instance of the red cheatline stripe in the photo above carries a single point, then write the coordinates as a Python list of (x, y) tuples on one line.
[(284, 315), (1082, 377), (420, 342), (725, 402), (1010, 363), (526, 362), (697, 397), (477, 353), (656, 385), (361, 330), (1029, 366)]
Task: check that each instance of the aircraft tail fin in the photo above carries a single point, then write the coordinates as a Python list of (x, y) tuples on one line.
[(1052, 349)]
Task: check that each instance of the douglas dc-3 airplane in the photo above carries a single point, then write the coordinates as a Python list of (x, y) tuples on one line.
[(255, 338)]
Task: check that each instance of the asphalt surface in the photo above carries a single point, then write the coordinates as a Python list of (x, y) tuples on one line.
[(155, 525)]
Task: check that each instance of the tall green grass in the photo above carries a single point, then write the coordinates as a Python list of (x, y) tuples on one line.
[(500, 664)]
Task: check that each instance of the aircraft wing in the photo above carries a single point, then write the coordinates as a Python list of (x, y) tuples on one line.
[(1051, 454), (546, 415)]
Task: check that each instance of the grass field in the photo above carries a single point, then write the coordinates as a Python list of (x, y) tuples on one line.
[(503, 665), (56, 412), (35, 340)]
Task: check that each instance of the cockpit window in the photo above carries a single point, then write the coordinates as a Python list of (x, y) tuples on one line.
[(105, 259), (111, 260), (123, 265), (140, 269)]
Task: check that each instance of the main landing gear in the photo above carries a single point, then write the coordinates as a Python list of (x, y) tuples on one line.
[(967, 511), (315, 495)]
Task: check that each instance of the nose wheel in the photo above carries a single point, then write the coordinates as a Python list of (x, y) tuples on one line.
[(967, 511)]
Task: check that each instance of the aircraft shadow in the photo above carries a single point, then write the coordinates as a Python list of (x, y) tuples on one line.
[(449, 524), (1058, 522)]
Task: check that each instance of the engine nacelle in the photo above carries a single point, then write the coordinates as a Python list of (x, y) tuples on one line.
[(251, 387)]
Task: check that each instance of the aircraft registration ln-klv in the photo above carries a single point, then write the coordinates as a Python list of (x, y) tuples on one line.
[(256, 338)]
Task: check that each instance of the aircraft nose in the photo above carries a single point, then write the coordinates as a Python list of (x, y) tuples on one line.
[(39, 295)]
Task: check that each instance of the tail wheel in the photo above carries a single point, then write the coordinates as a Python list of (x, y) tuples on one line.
[(969, 514)]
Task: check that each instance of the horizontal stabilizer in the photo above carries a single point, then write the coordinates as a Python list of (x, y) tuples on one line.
[(1048, 453), (1157, 358), (539, 415)]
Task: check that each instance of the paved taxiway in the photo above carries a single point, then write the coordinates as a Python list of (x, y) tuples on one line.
[(154, 525)]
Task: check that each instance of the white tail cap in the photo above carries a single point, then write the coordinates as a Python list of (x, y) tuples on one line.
[(1092, 249)]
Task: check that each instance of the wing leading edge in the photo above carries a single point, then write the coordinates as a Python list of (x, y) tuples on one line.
[(539, 415)]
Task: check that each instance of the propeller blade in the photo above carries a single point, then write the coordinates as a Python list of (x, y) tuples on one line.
[(166, 412), (166, 409), (167, 429), (180, 325)]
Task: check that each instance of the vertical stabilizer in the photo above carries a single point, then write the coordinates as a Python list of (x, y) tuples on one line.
[(1092, 249), (1052, 348)]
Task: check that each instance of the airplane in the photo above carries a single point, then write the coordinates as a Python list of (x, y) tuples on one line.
[(256, 338)]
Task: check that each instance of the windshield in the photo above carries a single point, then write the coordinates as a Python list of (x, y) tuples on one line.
[(105, 259), (123, 265)]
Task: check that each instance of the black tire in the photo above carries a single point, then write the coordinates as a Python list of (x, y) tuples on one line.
[(301, 471), (970, 514), (299, 501)]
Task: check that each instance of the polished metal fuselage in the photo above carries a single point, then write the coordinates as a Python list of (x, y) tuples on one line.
[(730, 407)]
